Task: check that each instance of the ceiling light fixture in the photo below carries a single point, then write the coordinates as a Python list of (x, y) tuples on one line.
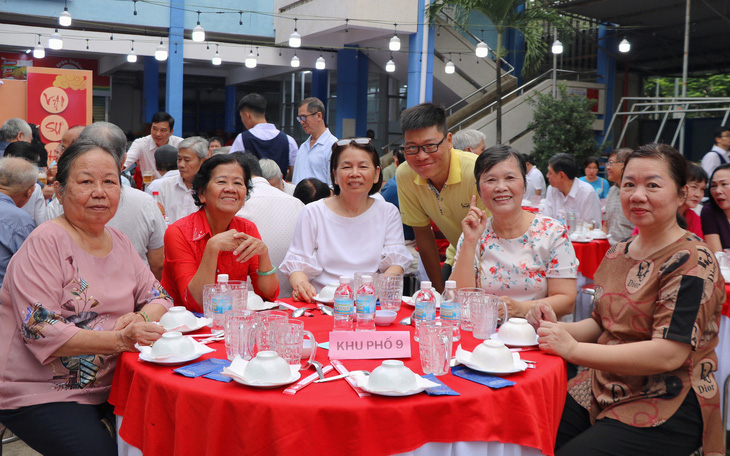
[(295, 39), (198, 31)]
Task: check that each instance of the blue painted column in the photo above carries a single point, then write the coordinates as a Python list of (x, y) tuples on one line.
[(174, 76), (150, 88), (231, 113), (606, 69), (352, 85), (415, 45), (320, 81)]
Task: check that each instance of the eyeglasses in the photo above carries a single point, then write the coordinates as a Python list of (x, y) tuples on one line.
[(428, 148), (611, 163), (347, 142), (304, 117)]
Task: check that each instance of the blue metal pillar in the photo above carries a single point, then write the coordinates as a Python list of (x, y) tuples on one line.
[(415, 45), (320, 81), (606, 69), (174, 76), (352, 74), (150, 88), (231, 113), (361, 119)]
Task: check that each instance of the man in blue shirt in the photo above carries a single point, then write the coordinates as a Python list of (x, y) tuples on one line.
[(313, 157), (17, 181)]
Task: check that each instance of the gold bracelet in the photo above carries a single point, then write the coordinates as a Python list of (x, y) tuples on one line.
[(144, 315)]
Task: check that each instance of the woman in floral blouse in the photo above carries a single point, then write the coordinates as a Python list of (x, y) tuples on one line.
[(519, 256)]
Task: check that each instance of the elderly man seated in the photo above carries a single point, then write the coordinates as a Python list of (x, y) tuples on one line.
[(17, 180), (14, 130)]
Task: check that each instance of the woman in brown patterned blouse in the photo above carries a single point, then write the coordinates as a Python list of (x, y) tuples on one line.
[(649, 344)]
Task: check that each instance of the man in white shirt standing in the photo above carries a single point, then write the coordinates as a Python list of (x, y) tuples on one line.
[(275, 214), (261, 138), (313, 157), (568, 194), (535, 179), (175, 193), (143, 149), (719, 152)]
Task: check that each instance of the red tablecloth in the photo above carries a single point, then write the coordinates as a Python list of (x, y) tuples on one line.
[(167, 414), (590, 254), (726, 306)]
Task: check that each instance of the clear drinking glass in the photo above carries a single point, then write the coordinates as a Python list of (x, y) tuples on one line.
[(485, 315), (240, 294), (289, 342), (390, 290), (262, 336), (465, 296), (435, 344), (237, 326)]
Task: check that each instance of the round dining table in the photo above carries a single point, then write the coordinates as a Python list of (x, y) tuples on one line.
[(161, 413), (590, 254)]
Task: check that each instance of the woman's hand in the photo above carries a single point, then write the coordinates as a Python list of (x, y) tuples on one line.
[(225, 241), (126, 320), (141, 333), (249, 247), (541, 311), (303, 291), (474, 223), (554, 339), (514, 307)]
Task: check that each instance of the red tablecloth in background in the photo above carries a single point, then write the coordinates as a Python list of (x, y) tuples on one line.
[(590, 254), (726, 306), (167, 414)]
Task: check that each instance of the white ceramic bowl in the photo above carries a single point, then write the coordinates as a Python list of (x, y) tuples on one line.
[(178, 316), (517, 331), (328, 293), (254, 301), (173, 343), (267, 367), (492, 355), (385, 317), (392, 375)]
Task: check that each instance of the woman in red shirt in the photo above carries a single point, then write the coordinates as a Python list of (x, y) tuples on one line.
[(214, 241)]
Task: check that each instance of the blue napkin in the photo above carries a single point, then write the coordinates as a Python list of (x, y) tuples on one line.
[(218, 376), (203, 367), (442, 390), (480, 377)]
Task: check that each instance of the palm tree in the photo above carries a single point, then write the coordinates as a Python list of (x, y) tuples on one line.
[(526, 17)]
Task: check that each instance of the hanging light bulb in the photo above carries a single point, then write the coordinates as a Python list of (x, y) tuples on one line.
[(161, 52), (624, 46), (394, 44), (55, 42), (295, 39), (294, 61), (217, 58), (250, 61), (132, 56), (65, 18), (390, 66), (198, 31), (449, 68), (320, 63), (482, 49), (39, 51), (557, 47)]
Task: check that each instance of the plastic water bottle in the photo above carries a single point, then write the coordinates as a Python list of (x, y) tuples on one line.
[(451, 309), (158, 200), (343, 306), (221, 301), (425, 306), (366, 305)]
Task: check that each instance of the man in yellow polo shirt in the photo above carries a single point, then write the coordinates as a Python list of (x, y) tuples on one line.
[(436, 183)]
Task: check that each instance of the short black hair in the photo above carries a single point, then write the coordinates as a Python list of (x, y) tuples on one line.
[(250, 160), (399, 154), (564, 163), (591, 161), (497, 154), (205, 173), (369, 149), (720, 130), (216, 138), (253, 102), (22, 149), (162, 116), (528, 159), (310, 190), (695, 173), (424, 115), (676, 163)]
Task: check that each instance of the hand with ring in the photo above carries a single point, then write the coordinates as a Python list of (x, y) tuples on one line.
[(304, 291)]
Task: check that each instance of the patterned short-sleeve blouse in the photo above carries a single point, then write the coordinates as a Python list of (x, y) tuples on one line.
[(519, 268)]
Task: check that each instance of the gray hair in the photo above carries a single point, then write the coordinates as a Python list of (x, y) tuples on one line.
[(108, 136), (12, 127), (269, 169), (17, 174), (314, 104), (197, 144), (468, 138), (222, 150)]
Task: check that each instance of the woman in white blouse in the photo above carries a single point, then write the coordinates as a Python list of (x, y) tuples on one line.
[(519, 256), (348, 232)]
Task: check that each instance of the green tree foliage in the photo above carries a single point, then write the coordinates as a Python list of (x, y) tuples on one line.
[(562, 124), (716, 85)]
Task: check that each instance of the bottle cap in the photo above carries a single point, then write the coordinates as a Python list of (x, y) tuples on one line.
[(155, 193), (367, 279), (450, 284), (344, 279), (222, 278), (425, 284)]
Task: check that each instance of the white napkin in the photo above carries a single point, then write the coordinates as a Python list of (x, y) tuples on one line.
[(422, 384), (199, 323), (146, 350), (597, 234)]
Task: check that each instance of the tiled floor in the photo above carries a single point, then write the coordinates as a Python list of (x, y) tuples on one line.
[(18, 448)]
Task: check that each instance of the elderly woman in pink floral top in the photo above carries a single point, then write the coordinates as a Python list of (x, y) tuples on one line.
[(75, 295), (519, 256)]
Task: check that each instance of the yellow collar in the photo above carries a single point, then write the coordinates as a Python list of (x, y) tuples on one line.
[(454, 170)]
